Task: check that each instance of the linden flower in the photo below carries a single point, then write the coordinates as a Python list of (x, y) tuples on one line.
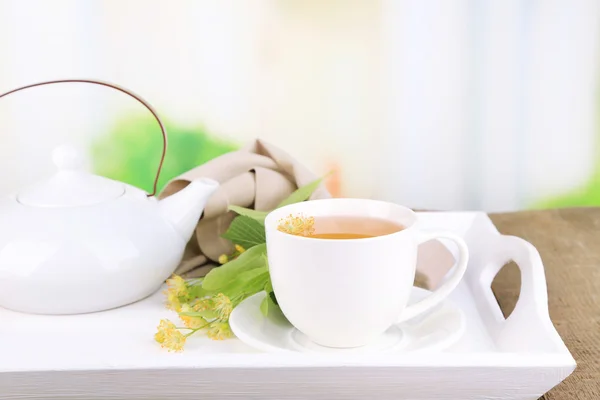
[(173, 301), (162, 327), (177, 292), (178, 285), (204, 304), (174, 341), (219, 331), (169, 337), (191, 322), (297, 225), (223, 259), (223, 306), (239, 248)]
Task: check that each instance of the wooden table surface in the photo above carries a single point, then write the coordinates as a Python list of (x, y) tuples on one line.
[(569, 243)]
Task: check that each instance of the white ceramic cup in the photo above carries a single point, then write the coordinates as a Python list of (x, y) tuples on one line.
[(346, 292)]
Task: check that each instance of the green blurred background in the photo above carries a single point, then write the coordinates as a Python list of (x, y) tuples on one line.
[(131, 150)]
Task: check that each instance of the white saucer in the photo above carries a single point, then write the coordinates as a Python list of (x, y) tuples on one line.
[(433, 331)]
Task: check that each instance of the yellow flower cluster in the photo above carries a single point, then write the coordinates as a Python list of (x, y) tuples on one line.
[(169, 336), (195, 322), (222, 306), (204, 304), (208, 313), (177, 293), (297, 225), (219, 331)]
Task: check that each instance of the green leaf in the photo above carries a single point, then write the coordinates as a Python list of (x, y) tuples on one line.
[(267, 305), (247, 276), (264, 306), (302, 193), (246, 279), (197, 291), (273, 298), (246, 232), (253, 282), (247, 212), (268, 286), (256, 284), (220, 277)]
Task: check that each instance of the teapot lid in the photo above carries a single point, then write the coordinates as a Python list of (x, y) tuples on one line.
[(71, 185)]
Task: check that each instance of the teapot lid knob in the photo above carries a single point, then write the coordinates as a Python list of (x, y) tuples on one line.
[(71, 186), (67, 157)]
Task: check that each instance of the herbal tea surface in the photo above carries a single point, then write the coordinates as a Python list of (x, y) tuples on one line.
[(351, 227)]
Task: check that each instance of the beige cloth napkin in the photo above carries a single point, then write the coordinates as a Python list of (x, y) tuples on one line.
[(258, 176)]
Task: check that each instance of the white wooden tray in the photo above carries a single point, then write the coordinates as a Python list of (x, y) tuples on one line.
[(112, 355)]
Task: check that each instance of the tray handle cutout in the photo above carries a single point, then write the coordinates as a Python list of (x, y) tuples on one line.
[(528, 327), (503, 285)]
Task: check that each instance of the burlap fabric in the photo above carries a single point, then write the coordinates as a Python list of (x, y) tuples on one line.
[(569, 243)]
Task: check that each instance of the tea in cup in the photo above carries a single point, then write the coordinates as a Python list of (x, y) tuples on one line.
[(343, 269)]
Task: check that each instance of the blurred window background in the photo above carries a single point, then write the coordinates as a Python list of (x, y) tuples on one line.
[(468, 104)]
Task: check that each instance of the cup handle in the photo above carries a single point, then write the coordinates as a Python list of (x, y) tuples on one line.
[(447, 287)]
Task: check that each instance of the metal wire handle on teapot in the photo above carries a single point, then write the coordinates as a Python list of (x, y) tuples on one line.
[(113, 86)]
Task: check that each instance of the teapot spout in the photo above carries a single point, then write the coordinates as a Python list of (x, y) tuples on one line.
[(184, 208)]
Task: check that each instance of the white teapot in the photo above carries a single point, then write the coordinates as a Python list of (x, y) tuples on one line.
[(79, 242)]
